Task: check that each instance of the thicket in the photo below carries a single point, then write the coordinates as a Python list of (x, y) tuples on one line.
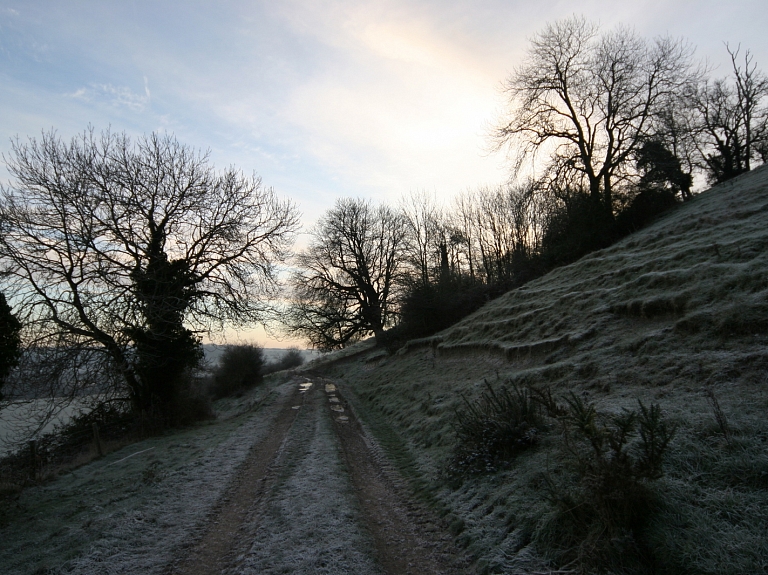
[(240, 368), (498, 240), (600, 512)]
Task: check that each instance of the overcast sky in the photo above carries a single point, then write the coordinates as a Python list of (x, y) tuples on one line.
[(321, 99)]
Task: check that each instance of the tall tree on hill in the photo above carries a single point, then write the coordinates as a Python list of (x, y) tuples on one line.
[(588, 100), (425, 238), (344, 284), (119, 253), (730, 119)]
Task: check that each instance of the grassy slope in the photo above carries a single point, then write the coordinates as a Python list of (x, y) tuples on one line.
[(671, 311)]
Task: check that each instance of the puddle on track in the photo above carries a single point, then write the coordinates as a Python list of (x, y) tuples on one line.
[(305, 387)]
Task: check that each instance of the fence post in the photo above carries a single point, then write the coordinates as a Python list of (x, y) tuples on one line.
[(97, 439)]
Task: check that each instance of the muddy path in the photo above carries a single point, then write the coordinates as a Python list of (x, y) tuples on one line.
[(211, 551), (408, 538), (316, 497)]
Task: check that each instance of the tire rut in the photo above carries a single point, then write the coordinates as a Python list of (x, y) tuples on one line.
[(408, 538), (220, 539)]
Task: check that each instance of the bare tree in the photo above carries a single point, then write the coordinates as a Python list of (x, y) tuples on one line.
[(730, 119), (120, 254), (344, 284), (461, 221), (587, 100), (497, 227), (426, 243)]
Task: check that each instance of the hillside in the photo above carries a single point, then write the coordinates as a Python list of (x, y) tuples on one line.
[(676, 314), (351, 463)]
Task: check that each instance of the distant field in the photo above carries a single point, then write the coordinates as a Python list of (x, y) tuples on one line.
[(213, 353), (14, 418)]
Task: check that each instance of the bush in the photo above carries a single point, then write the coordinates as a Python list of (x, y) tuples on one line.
[(495, 428), (10, 340), (582, 226), (643, 208), (291, 359), (429, 309), (599, 524), (599, 517), (240, 367)]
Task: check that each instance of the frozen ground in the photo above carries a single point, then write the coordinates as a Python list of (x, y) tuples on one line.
[(310, 521), (130, 513), (670, 315), (267, 491)]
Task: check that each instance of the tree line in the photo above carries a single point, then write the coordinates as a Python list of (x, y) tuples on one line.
[(603, 130), (118, 255)]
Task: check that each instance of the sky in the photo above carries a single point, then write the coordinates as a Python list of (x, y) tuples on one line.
[(321, 99)]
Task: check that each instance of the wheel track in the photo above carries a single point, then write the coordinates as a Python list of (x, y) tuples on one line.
[(220, 540), (408, 538)]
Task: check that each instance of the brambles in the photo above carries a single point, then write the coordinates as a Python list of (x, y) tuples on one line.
[(600, 513)]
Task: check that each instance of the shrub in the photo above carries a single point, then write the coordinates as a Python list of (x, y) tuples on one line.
[(240, 367), (10, 340), (290, 359), (493, 429), (576, 229), (599, 523), (643, 208), (431, 308)]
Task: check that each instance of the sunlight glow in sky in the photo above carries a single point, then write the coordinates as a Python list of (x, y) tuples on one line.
[(321, 99)]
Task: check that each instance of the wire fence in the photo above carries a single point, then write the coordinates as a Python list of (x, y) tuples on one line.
[(85, 435)]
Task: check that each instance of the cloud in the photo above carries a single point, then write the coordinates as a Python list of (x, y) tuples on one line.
[(114, 96), (399, 104)]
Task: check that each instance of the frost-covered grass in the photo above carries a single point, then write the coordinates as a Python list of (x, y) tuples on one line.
[(669, 314), (133, 510), (310, 521)]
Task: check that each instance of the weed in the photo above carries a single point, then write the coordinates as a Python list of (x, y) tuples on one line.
[(722, 421)]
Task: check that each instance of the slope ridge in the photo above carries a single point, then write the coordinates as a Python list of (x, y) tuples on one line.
[(687, 271)]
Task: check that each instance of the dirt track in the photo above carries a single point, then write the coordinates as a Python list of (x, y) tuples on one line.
[(313, 497)]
